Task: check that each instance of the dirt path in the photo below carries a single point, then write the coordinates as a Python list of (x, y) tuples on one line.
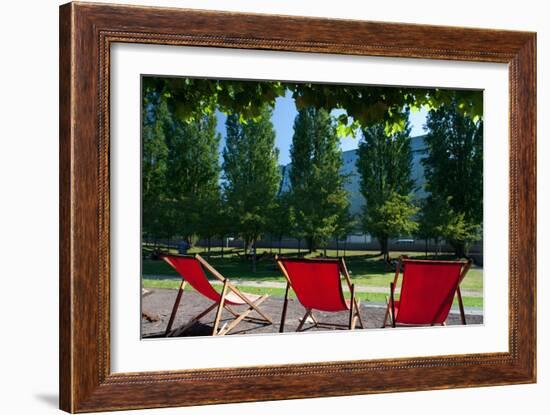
[(158, 304)]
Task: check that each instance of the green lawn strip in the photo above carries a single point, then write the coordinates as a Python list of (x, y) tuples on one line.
[(364, 270), (280, 292), (473, 280)]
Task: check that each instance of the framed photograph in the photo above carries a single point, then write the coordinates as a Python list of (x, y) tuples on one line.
[(258, 207)]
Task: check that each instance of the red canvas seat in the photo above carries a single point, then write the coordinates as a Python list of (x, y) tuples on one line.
[(317, 285), (427, 292), (192, 271)]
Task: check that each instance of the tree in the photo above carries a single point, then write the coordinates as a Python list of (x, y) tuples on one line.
[(432, 219), (318, 200), (279, 223), (391, 218), (212, 221), (384, 166), (193, 177), (454, 173), (251, 175), (344, 226), (155, 116), (224, 224)]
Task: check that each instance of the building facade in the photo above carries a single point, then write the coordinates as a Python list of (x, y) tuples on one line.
[(352, 185)]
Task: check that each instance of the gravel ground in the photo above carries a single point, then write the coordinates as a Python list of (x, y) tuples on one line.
[(158, 302)]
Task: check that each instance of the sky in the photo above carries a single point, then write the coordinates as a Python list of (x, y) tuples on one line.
[(283, 122)]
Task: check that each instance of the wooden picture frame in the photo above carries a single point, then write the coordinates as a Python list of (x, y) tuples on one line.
[(86, 33)]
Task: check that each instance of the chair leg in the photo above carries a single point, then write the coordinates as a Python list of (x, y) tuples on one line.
[(185, 327), (387, 313), (351, 306), (358, 312), (226, 329), (356, 315), (315, 321), (247, 318), (285, 305), (392, 293), (220, 309), (306, 315), (461, 306), (250, 303), (175, 308), (235, 314), (260, 312), (353, 322)]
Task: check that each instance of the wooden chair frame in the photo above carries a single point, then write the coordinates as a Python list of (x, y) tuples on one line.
[(354, 311), (221, 305), (390, 305)]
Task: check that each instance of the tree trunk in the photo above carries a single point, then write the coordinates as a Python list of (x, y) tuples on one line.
[(461, 250), (337, 246), (299, 246), (384, 248), (247, 246), (209, 242), (280, 243), (310, 242), (426, 241), (254, 256), (222, 246)]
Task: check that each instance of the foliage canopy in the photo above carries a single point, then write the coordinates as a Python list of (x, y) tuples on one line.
[(365, 105)]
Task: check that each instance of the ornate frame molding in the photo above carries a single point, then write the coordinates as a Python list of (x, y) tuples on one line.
[(86, 33)]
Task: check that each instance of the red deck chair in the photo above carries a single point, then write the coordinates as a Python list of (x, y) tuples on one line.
[(427, 292), (317, 285), (191, 269)]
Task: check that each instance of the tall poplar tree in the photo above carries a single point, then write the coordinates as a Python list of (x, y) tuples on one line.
[(251, 175), (193, 176), (318, 201), (454, 176), (155, 118), (384, 165), (279, 224)]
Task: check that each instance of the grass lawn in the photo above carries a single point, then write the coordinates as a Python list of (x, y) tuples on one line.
[(366, 268), (280, 292)]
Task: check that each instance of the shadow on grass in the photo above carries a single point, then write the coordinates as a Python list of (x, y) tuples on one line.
[(266, 268), (236, 265)]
